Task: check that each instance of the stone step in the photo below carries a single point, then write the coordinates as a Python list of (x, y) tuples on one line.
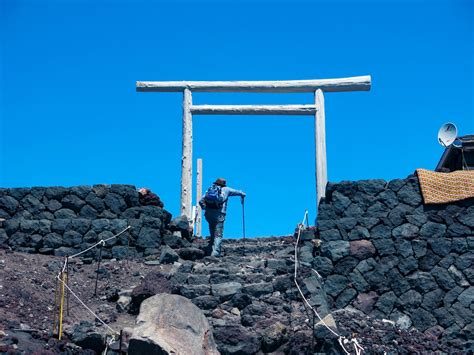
[(252, 247)]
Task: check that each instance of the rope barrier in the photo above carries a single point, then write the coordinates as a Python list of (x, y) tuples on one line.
[(85, 306), (297, 241), (341, 339), (108, 343), (63, 278), (102, 241), (317, 273), (64, 265)]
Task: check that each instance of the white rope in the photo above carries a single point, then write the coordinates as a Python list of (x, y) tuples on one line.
[(64, 266), (298, 239), (108, 344), (317, 273), (358, 348), (299, 289), (305, 218), (85, 306), (342, 340), (102, 241)]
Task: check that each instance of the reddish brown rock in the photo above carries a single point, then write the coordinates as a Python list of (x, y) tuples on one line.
[(362, 249)]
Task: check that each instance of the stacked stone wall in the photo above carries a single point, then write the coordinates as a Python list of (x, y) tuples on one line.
[(63, 221), (390, 256), (382, 250)]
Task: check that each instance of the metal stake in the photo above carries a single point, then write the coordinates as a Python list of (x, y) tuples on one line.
[(243, 222), (56, 305), (98, 266), (67, 284)]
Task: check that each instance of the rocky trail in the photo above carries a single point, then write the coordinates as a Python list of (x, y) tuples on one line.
[(248, 296)]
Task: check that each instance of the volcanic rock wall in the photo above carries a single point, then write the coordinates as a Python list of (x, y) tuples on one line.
[(388, 255), (63, 221), (383, 252)]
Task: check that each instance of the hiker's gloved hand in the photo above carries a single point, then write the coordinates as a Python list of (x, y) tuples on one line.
[(202, 204)]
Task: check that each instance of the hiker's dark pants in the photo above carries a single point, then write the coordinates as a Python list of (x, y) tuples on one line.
[(216, 229)]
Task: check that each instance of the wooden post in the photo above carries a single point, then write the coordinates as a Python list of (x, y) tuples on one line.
[(187, 157), (198, 198), (320, 140)]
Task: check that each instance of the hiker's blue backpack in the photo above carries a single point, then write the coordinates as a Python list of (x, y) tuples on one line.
[(214, 197)]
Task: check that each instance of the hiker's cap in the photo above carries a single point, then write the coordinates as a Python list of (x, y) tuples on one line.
[(221, 182)]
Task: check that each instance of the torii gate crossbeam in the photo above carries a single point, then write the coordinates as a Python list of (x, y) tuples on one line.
[(358, 83)]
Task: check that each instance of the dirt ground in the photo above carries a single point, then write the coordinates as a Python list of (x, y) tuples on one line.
[(28, 284), (27, 299)]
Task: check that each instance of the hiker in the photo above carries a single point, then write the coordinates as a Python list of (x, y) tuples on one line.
[(214, 202), (148, 198)]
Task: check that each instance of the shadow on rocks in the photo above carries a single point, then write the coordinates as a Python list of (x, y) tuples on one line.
[(153, 283)]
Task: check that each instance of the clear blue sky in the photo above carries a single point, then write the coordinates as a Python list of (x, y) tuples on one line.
[(70, 114)]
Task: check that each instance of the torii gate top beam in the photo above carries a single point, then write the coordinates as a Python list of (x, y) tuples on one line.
[(356, 83)]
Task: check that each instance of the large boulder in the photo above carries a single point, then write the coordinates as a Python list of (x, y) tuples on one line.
[(171, 324)]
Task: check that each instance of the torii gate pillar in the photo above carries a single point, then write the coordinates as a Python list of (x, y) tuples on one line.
[(187, 157), (320, 140)]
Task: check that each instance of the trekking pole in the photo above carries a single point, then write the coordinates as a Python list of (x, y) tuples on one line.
[(243, 222)]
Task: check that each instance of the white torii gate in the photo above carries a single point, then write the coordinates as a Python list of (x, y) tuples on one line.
[(358, 83)]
